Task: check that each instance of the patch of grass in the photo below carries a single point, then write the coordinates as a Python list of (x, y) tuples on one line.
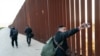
[(1, 28)]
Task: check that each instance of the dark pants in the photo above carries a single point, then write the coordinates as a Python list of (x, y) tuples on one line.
[(28, 40), (14, 39)]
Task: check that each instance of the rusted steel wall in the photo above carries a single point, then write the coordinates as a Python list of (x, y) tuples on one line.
[(97, 26), (44, 16)]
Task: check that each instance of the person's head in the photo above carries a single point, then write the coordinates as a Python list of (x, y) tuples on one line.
[(62, 28), (13, 27), (27, 26)]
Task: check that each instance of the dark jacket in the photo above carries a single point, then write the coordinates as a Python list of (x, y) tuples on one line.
[(13, 33), (62, 37), (28, 30)]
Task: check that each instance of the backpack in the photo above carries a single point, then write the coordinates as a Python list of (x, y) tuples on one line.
[(31, 35), (15, 32), (48, 48)]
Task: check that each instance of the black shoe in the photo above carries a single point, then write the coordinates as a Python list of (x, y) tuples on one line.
[(17, 46), (29, 45), (13, 46)]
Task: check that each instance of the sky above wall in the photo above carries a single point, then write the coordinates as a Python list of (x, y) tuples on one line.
[(8, 11)]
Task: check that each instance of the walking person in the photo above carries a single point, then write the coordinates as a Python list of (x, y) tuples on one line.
[(29, 35), (14, 36)]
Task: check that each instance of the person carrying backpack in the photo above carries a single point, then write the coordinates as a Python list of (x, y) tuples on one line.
[(57, 45), (14, 35), (29, 34)]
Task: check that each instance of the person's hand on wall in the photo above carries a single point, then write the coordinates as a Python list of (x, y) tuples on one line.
[(84, 25)]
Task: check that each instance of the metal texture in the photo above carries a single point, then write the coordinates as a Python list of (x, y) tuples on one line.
[(44, 16)]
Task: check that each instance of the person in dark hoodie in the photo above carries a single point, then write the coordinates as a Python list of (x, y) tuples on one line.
[(29, 34), (14, 36), (61, 36)]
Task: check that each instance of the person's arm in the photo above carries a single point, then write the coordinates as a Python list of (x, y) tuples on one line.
[(75, 30), (71, 32), (11, 33)]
